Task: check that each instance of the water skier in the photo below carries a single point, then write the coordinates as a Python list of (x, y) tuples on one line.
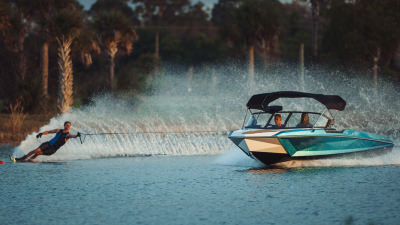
[(49, 147)]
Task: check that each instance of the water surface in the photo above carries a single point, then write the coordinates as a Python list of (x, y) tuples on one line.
[(204, 189)]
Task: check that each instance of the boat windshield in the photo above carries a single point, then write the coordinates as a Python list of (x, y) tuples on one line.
[(290, 120)]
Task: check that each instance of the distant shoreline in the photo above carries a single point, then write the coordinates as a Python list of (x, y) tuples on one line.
[(31, 124)]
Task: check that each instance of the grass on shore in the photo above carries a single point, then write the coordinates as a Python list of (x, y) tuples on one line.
[(31, 124)]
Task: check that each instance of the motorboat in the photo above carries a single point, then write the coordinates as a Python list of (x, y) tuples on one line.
[(270, 143)]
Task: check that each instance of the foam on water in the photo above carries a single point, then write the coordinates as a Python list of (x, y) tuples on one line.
[(192, 115)]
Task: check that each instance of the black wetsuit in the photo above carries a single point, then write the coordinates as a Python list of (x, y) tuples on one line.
[(50, 147)]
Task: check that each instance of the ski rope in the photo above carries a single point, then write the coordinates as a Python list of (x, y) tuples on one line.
[(83, 136)]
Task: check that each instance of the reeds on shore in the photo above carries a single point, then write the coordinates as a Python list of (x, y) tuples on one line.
[(14, 132)]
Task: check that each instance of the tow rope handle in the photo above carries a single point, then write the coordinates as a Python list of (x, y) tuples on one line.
[(80, 138)]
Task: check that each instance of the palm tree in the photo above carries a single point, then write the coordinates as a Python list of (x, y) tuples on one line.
[(69, 23), (87, 46), (116, 34), (44, 20), (46, 13), (65, 94)]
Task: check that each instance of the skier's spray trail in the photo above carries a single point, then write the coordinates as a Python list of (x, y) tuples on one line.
[(189, 115)]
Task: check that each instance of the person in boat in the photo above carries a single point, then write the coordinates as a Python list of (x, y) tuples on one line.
[(278, 122), (50, 147), (304, 121)]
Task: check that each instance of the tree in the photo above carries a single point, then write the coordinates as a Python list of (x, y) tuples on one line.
[(69, 23), (222, 12), (15, 22), (48, 17), (120, 5), (115, 32), (355, 31), (86, 45), (315, 11), (380, 26), (196, 16), (44, 18), (296, 31), (223, 16), (147, 8), (252, 22), (162, 12)]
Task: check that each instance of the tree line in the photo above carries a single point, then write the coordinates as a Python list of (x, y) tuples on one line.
[(54, 53)]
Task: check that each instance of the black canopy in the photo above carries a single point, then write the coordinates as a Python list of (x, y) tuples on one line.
[(260, 101)]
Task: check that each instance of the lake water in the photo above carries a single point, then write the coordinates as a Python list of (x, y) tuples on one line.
[(201, 189)]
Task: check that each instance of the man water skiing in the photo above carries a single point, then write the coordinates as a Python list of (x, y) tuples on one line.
[(49, 147)]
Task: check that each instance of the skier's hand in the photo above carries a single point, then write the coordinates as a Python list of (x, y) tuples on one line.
[(39, 135), (78, 135)]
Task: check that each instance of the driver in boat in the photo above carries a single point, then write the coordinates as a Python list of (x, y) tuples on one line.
[(49, 147), (304, 122), (278, 122)]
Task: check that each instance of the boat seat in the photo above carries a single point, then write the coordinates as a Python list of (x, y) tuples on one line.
[(253, 126)]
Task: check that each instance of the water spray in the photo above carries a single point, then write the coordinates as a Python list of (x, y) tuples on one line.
[(211, 133), (172, 121)]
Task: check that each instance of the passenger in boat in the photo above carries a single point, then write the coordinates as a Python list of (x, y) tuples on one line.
[(305, 121), (278, 122)]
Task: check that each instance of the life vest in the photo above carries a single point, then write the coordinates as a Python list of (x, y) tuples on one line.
[(59, 140)]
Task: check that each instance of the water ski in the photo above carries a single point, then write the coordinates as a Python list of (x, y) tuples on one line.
[(12, 158)]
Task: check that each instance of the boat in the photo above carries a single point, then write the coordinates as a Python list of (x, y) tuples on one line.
[(269, 143)]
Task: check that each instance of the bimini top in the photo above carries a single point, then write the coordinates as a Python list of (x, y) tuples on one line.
[(261, 101)]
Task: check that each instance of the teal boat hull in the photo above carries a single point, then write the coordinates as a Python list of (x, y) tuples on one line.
[(273, 158), (304, 144), (315, 142)]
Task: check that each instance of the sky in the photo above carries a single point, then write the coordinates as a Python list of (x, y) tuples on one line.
[(208, 3)]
